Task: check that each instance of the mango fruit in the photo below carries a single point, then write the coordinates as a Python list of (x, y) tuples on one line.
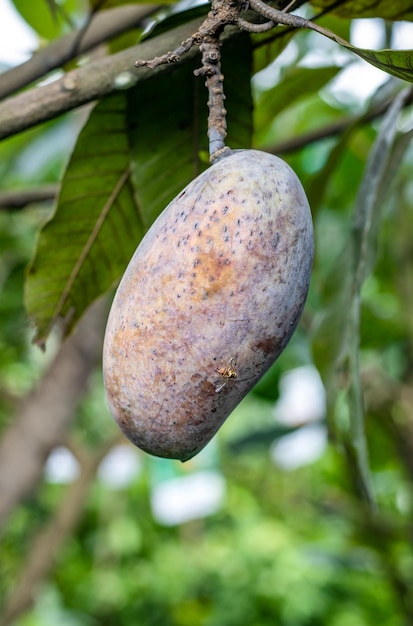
[(208, 302)]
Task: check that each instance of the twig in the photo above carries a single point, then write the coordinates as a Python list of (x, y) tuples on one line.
[(250, 27), (296, 21), (20, 198), (289, 29), (102, 77), (223, 13), (83, 85), (281, 17)]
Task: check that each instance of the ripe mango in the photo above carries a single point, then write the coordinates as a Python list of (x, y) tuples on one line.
[(209, 300)]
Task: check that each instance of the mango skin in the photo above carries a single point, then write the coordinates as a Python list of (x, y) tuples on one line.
[(208, 302)]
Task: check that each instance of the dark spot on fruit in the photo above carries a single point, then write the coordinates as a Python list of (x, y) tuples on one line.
[(267, 346)]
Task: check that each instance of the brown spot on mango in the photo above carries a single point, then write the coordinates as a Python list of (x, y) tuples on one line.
[(220, 278)]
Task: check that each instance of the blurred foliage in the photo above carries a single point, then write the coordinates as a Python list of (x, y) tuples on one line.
[(297, 546)]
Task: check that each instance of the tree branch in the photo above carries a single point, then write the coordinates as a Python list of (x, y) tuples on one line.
[(20, 198), (48, 541), (103, 26), (88, 83), (48, 410)]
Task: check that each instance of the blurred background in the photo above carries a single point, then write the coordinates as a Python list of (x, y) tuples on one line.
[(271, 523)]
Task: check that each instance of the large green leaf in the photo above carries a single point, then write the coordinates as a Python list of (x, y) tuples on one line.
[(267, 46), (137, 150), (173, 147), (80, 248), (395, 62), (395, 10)]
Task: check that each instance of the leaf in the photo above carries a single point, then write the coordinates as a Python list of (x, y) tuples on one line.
[(169, 135), (48, 18), (316, 186), (174, 18), (395, 10), (379, 102), (295, 84), (395, 62), (336, 338), (268, 47), (102, 5), (137, 138), (368, 200), (261, 438), (81, 248)]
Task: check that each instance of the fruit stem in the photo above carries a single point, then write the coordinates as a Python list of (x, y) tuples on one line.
[(211, 69)]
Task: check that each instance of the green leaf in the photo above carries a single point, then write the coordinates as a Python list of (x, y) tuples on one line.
[(267, 46), (295, 84), (365, 227), (395, 62), (317, 184), (48, 18), (82, 247), (102, 5), (366, 214), (169, 135), (174, 18), (138, 149)]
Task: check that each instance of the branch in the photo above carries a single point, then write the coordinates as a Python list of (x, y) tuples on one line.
[(295, 21), (88, 83), (48, 410), (102, 77), (296, 143), (104, 26), (20, 198), (335, 128), (47, 542), (222, 13)]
